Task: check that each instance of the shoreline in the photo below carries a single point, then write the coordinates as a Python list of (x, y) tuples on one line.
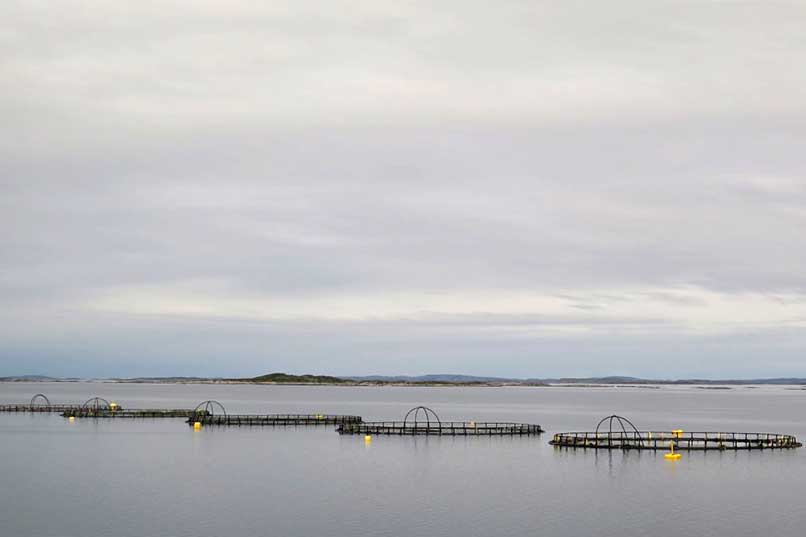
[(709, 385)]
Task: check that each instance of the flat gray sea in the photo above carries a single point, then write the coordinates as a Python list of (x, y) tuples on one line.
[(135, 478)]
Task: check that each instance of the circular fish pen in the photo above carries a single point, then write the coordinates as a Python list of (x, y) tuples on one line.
[(214, 413), (422, 420), (617, 432), (38, 403), (77, 412), (266, 420)]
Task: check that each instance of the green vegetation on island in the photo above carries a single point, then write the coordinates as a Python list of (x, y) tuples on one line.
[(284, 378), (427, 380)]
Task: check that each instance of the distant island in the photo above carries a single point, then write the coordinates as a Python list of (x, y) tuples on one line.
[(422, 380)]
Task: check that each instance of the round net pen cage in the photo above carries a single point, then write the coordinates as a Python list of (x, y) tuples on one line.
[(38, 403), (617, 432), (213, 413), (422, 420), (267, 420), (78, 412)]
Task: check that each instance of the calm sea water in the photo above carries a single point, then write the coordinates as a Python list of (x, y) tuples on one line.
[(158, 478)]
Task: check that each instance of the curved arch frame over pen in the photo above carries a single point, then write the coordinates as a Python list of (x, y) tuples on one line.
[(427, 414), (620, 421), (208, 408), (96, 404), (40, 396)]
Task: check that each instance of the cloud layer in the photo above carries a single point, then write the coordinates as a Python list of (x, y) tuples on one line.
[(533, 189)]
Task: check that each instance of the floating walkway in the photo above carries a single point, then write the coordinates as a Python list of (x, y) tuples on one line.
[(98, 407), (426, 422), (37, 408), (213, 413), (620, 433), (78, 412), (276, 419), (38, 403)]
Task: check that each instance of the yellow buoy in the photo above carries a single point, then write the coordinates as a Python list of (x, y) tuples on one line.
[(71, 418), (197, 426), (672, 455), (367, 439)]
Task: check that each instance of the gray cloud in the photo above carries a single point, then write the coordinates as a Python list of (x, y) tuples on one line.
[(422, 177)]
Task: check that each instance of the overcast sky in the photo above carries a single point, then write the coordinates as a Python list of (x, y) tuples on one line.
[(513, 188)]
